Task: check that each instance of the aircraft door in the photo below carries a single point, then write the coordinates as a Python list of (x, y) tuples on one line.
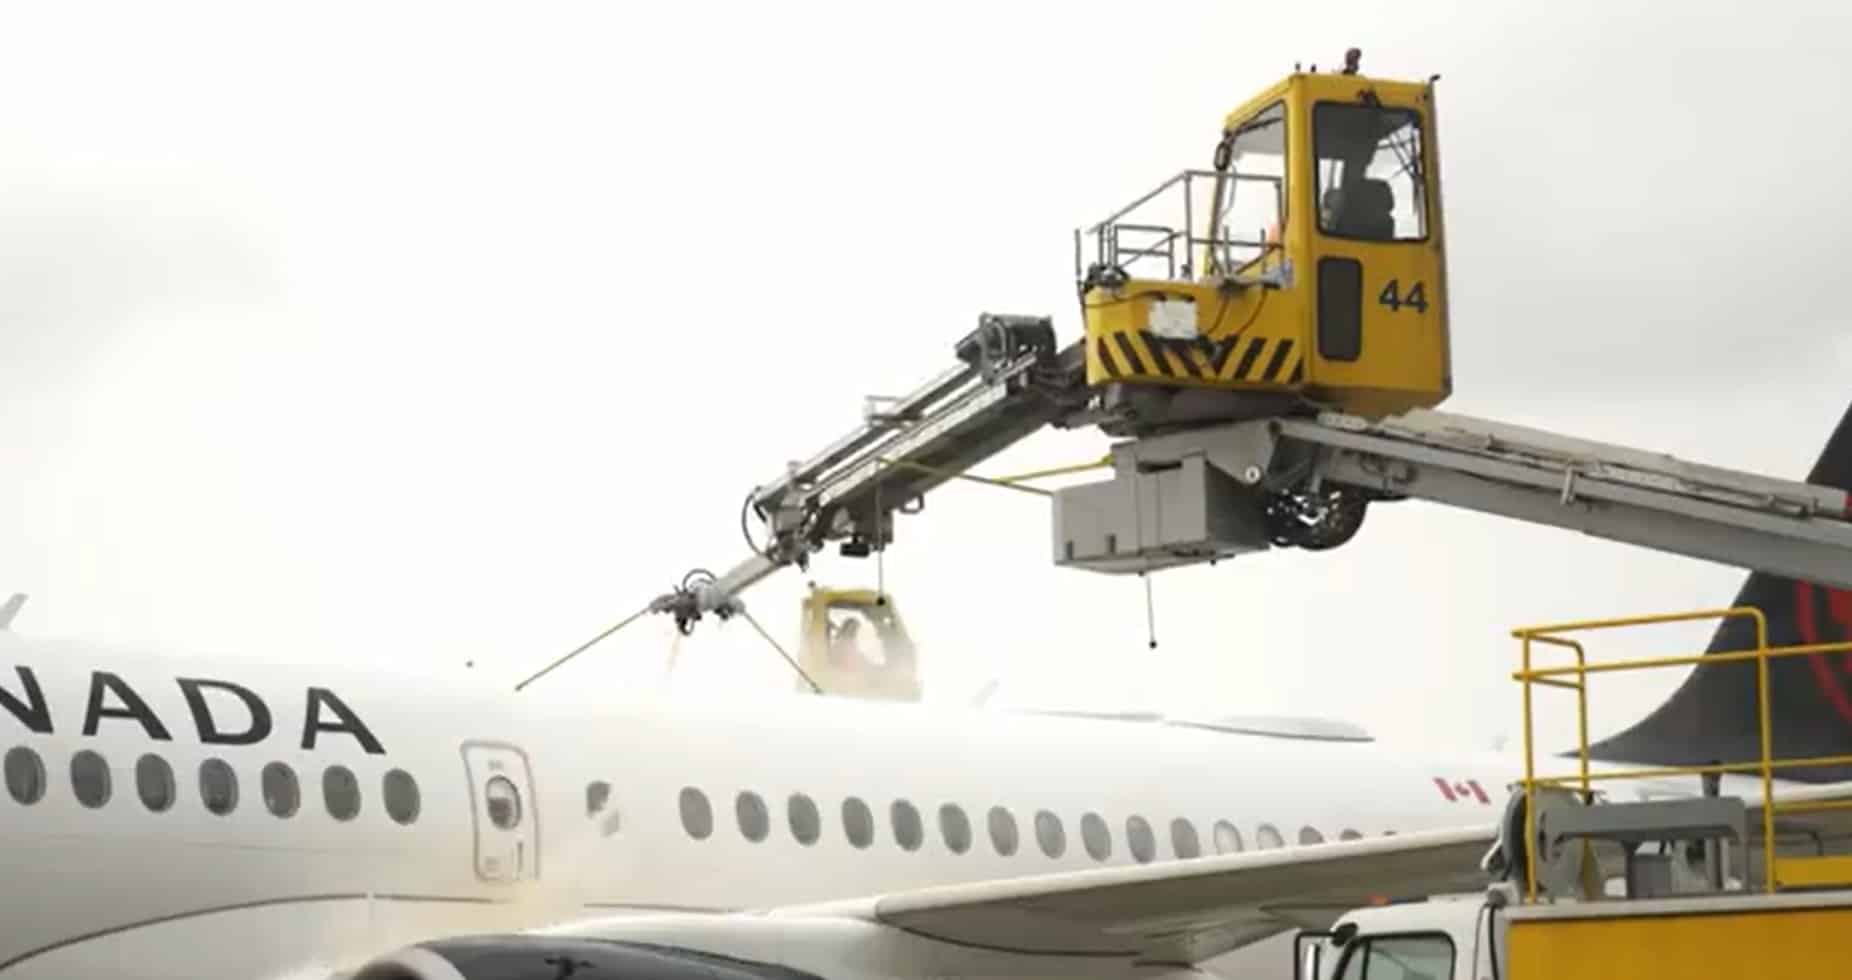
[(501, 792)]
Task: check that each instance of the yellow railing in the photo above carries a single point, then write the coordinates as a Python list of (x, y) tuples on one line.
[(1576, 678)]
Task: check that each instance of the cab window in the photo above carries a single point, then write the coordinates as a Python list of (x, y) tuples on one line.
[(1249, 203), (1423, 957), (1369, 163)]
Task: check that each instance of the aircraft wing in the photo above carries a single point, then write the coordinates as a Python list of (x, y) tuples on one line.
[(1184, 911), (1190, 911), (1172, 912)]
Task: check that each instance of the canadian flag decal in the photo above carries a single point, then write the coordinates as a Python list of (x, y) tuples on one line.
[(1458, 791)]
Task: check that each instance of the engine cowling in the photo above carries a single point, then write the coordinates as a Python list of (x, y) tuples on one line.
[(537, 957)]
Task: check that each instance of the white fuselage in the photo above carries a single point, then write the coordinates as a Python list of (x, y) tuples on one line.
[(540, 808)]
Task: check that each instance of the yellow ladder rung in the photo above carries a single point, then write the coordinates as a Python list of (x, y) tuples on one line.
[(1553, 682)]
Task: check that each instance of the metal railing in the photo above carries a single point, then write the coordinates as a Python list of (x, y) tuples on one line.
[(1560, 677), (1131, 237)]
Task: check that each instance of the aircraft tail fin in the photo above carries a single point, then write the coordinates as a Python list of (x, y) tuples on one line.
[(1713, 715)]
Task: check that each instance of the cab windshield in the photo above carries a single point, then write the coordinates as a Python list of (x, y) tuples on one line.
[(1370, 183)]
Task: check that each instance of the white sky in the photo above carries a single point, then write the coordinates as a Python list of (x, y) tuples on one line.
[(389, 333)]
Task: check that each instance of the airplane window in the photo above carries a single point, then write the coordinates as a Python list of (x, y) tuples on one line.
[(1183, 839), (1349, 834), (755, 823), (1050, 834), (1310, 835), (697, 814), (90, 779), (1139, 839), (154, 781), (504, 802), (25, 776), (1095, 837), (598, 801), (908, 830), (806, 824), (955, 827), (400, 791), (341, 793), (282, 793), (1268, 837), (1003, 834), (1227, 838), (858, 822), (218, 786)]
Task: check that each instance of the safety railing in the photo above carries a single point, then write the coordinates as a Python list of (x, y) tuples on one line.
[(1159, 235), (1576, 678)]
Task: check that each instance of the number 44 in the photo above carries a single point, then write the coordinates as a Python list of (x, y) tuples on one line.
[(1416, 297)]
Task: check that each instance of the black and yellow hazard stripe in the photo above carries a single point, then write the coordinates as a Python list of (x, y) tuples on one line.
[(1140, 355)]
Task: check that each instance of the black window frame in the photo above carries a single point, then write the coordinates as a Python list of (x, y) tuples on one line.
[(290, 780), (1427, 206), (108, 779), (154, 762), (216, 766), (412, 795), (694, 808)]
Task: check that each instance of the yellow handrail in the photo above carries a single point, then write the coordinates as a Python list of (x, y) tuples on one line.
[(1765, 766)]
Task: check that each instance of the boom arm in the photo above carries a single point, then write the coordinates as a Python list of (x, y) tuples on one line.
[(1010, 382), (1219, 490)]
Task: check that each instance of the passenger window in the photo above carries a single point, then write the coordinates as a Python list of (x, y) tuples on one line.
[(1227, 838), (282, 793), (806, 824), (504, 802), (1310, 835), (1268, 837), (1003, 835), (858, 822), (341, 793), (697, 814), (598, 802), (955, 827), (908, 830), (1349, 834), (90, 779), (25, 776), (755, 822), (400, 791), (1095, 837), (597, 796), (1139, 839), (218, 786), (154, 782), (1398, 958), (1183, 839), (1050, 834)]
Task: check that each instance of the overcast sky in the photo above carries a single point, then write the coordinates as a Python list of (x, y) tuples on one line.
[(414, 334)]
